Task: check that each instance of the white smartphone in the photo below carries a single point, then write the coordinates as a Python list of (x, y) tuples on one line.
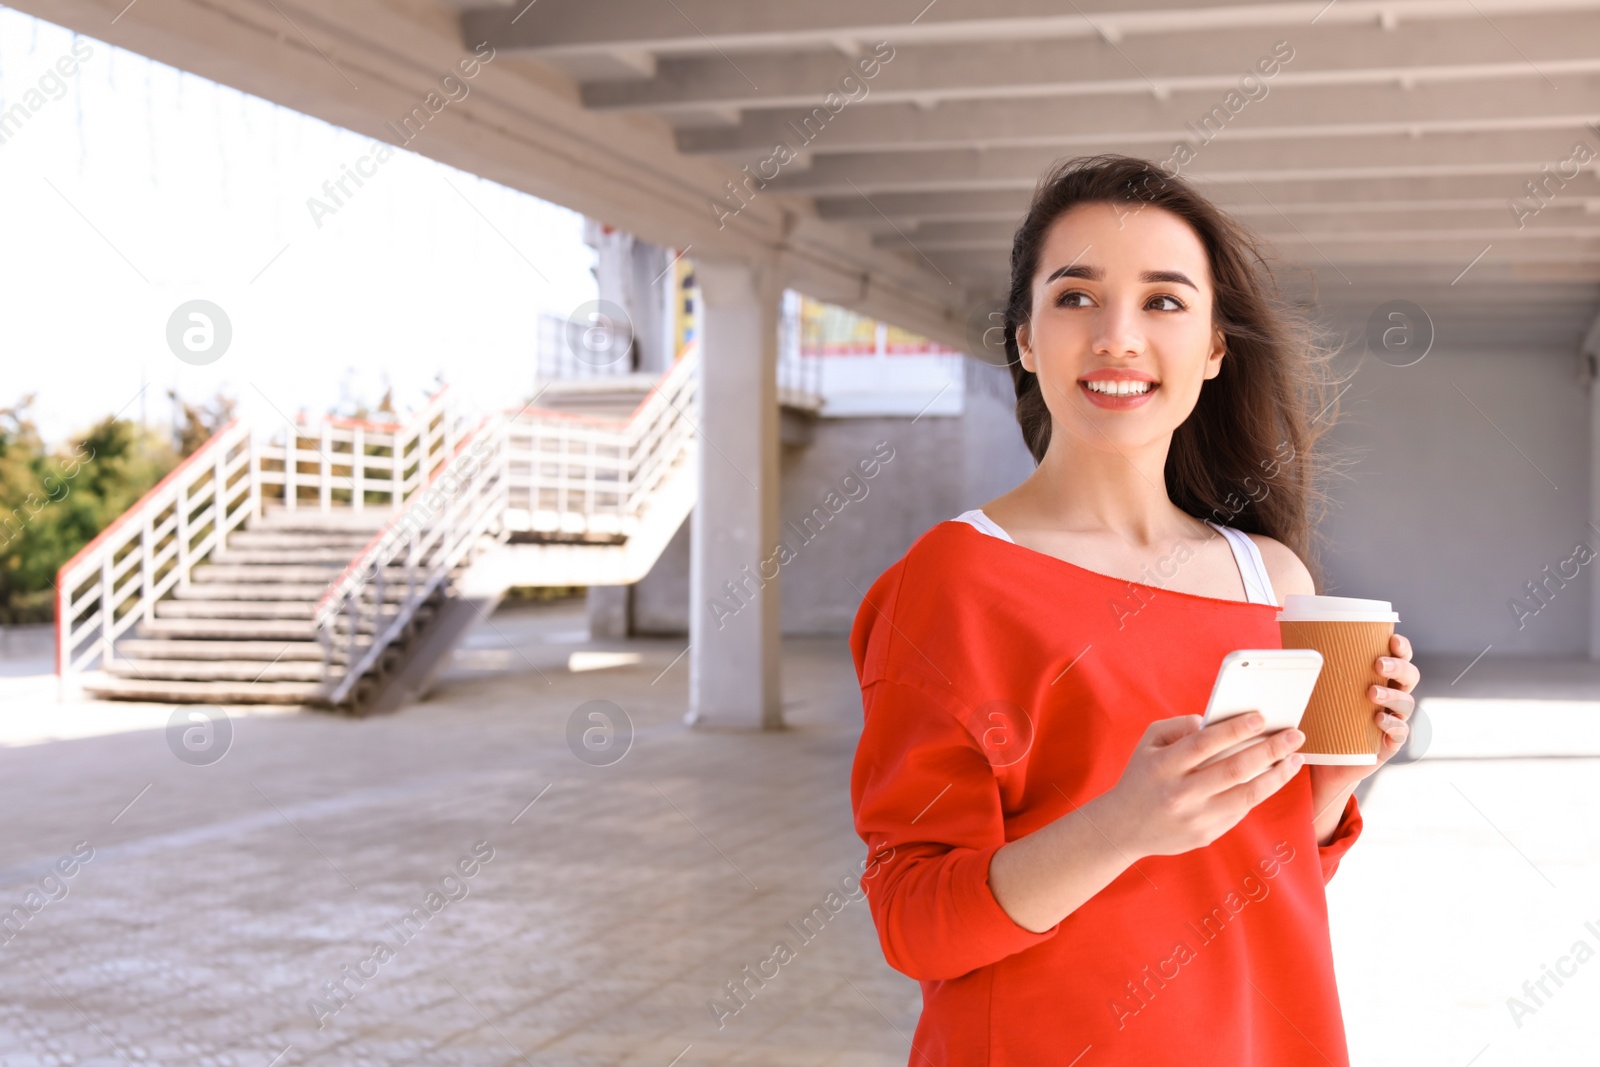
[(1277, 682)]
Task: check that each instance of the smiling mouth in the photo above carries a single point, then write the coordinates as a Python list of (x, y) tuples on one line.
[(1123, 387)]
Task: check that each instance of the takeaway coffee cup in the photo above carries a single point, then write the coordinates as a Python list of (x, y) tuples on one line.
[(1339, 723)]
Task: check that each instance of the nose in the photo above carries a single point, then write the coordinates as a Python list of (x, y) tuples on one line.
[(1118, 333)]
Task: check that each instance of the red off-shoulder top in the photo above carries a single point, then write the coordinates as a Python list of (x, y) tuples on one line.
[(1002, 688)]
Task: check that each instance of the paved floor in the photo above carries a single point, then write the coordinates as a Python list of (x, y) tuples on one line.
[(220, 898), (1479, 868)]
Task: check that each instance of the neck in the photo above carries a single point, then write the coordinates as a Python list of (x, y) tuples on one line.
[(1089, 483)]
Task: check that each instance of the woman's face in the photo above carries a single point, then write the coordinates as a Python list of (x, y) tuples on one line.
[(1120, 332)]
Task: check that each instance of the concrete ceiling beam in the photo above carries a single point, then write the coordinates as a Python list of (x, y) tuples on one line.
[(1469, 192), (1141, 124), (1491, 224), (1470, 49), (1516, 157), (692, 26)]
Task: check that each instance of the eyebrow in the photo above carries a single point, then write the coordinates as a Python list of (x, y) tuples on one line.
[(1095, 274)]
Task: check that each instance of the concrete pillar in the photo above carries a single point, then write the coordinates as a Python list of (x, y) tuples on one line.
[(1591, 367), (733, 608)]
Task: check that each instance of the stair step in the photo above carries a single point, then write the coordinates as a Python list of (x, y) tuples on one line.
[(260, 652), (230, 629), (341, 521), (274, 539), (605, 407), (263, 572), (245, 629), (267, 592), (614, 396), (216, 670), (289, 554), (235, 609), (178, 692)]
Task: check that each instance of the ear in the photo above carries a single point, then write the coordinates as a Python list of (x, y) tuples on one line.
[(1025, 348), (1219, 348)]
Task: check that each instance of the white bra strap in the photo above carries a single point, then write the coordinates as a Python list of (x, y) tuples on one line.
[(976, 517), (1252, 569)]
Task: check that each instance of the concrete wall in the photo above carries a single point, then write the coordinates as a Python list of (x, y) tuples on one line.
[(823, 585), (1446, 517), (660, 599)]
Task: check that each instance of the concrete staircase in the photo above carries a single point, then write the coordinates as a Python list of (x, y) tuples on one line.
[(338, 563), (242, 630)]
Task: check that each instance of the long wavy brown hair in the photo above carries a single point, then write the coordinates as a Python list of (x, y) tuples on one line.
[(1250, 455)]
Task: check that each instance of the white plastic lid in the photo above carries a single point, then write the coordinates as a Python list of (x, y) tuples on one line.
[(1300, 607)]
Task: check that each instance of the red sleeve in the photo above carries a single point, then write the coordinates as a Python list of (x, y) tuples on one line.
[(1344, 835), (928, 806)]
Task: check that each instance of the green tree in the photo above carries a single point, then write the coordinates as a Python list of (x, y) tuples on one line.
[(54, 503)]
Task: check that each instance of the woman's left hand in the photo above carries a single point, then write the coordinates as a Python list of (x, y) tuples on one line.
[(1395, 704)]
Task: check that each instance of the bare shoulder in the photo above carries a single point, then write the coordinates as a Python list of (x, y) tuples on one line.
[(1286, 570)]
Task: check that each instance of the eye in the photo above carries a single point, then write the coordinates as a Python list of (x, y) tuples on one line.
[(1181, 305), (1062, 301)]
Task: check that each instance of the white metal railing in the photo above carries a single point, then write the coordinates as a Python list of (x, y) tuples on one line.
[(449, 484), (800, 380), (799, 370), (584, 475), (418, 550), (114, 581), (355, 463)]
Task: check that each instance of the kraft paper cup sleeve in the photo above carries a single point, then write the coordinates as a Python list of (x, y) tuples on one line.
[(1339, 722)]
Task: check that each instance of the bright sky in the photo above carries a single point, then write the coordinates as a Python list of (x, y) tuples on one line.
[(134, 188)]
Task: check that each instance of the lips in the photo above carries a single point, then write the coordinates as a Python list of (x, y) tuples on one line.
[(1118, 390)]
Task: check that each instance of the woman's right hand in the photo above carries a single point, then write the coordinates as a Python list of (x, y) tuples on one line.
[(1165, 803)]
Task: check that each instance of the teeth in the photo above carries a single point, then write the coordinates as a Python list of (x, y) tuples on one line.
[(1118, 388)]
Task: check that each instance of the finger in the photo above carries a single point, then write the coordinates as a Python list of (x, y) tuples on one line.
[(1268, 782), (1402, 671), (1394, 739), (1397, 701), (1192, 751), (1247, 763), (1168, 731), (1395, 730), (1400, 645)]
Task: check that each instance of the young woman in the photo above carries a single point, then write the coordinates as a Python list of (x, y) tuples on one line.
[(1046, 853)]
